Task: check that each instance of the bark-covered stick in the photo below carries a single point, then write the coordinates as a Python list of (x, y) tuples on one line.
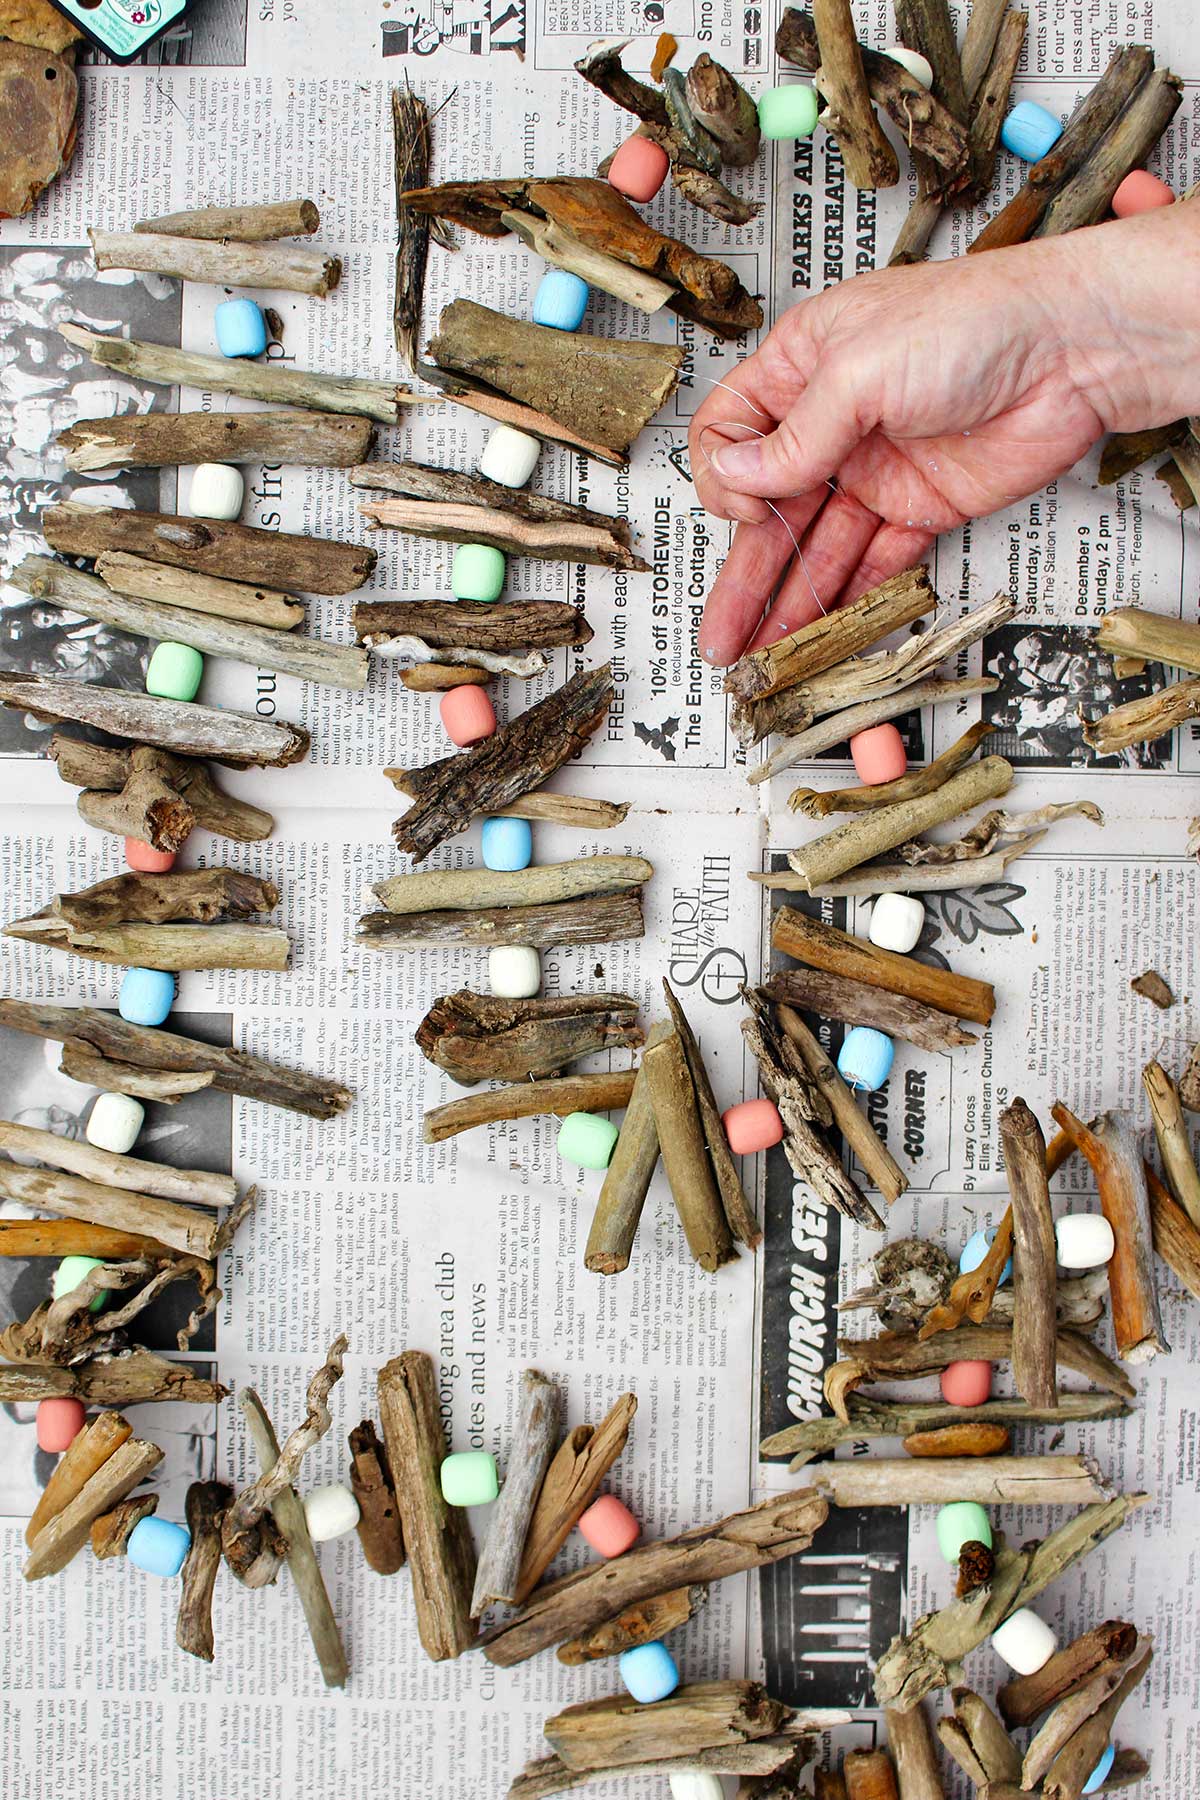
[(1086, 198), (1174, 1141), (593, 919), (159, 439), (246, 224), (220, 262), (833, 637), (508, 528), (725, 110), (1068, 1773), (478, 1037), (931, 1481), (126, 1378), (110, 1533), (577, 810), (608, 273), (198, 1187), (1069, 1715), (857, 1003), (1026, 1697), (610, 1733), (685, 1153), (739, 1214), (822, 946), (868, 156), (1034, 1256), (412, 152), (196, 896), (535, 1436), (571, 1483), (379, 1530), (644, 1623), (878, 1164), (204, 1509), (1142, 721), (978, 1742), (467, 624), (627, 1178), (181, 726), (840, 727)]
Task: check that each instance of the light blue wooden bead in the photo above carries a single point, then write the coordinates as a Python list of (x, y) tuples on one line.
[(477, 572), (174, 671), (974, 1251), (241, 328), (507, 843), (587, 1139), (649, 1672), (962, 1522), (561, 300), (146, 996), (865, 1058), (159, 1546), (1030, 131), (1099, 1774)]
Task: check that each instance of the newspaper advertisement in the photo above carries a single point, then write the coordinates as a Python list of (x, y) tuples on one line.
[(472, 1250)]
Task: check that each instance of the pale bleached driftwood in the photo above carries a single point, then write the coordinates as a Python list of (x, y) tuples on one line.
[(937, 1481), (149, 794), (401, 649), (739, 1214), (840, 727), (253, 224), (878, 1164), (977, 1740), (1142, 721), (379, 1530), (888, 878), (857, 1003), (534, 1438), (627, 1178), (1034, 1256), (990, 101), (479, 1037), (238, 739), (1174, 1140), (594, 919), (200, 1187), (120, 1378), (868, 156), (64, 1535), (1025, 1697), (684, 1152), (645, 1622), (910, 1740), (823, 946), (1132, 631), (146, 580), (526, 1100), (220, 262), (818, 803), (613, 1732), (170, 947), (832, 638), (1068, 1773), (571, 1483), (204, 1509), (1086, 197), (162, 1085), (159, 439), (868, 1418), (110, 1533), (73, 1197), (469, 889)]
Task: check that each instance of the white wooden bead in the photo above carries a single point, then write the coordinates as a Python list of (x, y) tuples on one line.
[(114, 1122), (1025, 1641), (696, 1784), (897, 921), (917, 65), (217, 491), (514, 972), (330, 1512), (1085, 1240), (510, 456)]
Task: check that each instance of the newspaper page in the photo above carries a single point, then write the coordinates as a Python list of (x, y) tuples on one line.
[(473, 1251)]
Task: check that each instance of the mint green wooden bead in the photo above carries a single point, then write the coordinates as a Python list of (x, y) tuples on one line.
[(587, 1139), (174, 672), (963, 1522), (469, 1478), (477, 573), (70, 1272), (788, 112)]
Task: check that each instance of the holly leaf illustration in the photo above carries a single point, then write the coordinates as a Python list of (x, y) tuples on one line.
[(972, 912)]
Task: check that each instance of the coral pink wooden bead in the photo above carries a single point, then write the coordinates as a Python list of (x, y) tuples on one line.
[(966, 1383), (1140, 192), (147, 860), (59, 1423), (878, 755), (639, 168), (609, 1526), (754, 1125), (468, 715)]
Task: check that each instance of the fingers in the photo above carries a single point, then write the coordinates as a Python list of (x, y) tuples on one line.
[(830, 554), (757, 558), (892, 549), (807, 447)]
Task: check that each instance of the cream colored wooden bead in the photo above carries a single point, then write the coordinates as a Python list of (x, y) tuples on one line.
[(917, 65), (114, 1122), (217, 491), (1085, 1240), (514, 972), (897, 921), (696, 1784), (330, 1512), (1025, 1641), (510, 456)]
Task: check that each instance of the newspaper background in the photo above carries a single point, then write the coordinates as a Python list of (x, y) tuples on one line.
[(475, 1253)]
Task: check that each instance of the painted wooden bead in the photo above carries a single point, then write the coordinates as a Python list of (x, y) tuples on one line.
[(468, 715), (330, 1512), (966, 1383), (649, 1672), (879, 755), (1140, 192), (114, 1122), (974, 1251), (609, 1526), (159, 1546), (217, 491), (70, 1272), (146, 996), (1099, 1774), (59, 1423), (174, 671), (587, 1139), (146, 859), (510, 456), (1085, 1240), (897, 921), (788, 112), (561, 300), (695, 1784), (477, 572), (469, 1478), (1029, 131), (751, 1126), (639, 169), (240, 327), (962, 1522), (514, 971), (1025, 1641), (865, 1058), (507, 843), (917, 65)]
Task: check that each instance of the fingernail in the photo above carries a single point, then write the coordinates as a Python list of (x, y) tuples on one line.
[(734, 462)]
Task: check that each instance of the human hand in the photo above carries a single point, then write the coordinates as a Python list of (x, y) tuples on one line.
[(930, 395)]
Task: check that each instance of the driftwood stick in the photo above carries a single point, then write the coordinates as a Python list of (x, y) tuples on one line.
[(869, 1775), (869, 159), (610, 274), (535, 1434), (1034, 1256), (226, 264), (245, 224), (74, 1237), (936, 1481), (157, 439), (170, 947), (840, 727), (1174, 1143), (480, 665), (437, 1537), (973, 1293), (643, 1623), (436, 678), (990, 101), (1070, 1769), (146, 793), (880, 1167), (526, 1100), (857, 1003), (477, 1037), (379, 400), (739, 1214), (571, 1483), (1131, 631), (902, 1356), (232, 1071), (503, 411), (412, 153), (123, 1378), (100, 1438), (555, 809), (439, 890), (196, 896), (910, 1741), (178, 1227), (868, 1418), (759, 1757), (198, 1187), (1111, 1148), (110, 1533), (819, 803), (779, 1527), (465, 509), (1176, 1239), (824, 947), (67, 1531), (379, 1529), (723, 108), (887, 878), (684, 1152), (1069, 1715), (627, 1178), (1086, 197), (609, 1733), (230, 737), (833, 637), (977, 1740), (466, 624), (1141, 721), (205, 1508), (1126, 451), (594, 919), (1026, 1697)]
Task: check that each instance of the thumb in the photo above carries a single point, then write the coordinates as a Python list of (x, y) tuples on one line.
[(807, 447)]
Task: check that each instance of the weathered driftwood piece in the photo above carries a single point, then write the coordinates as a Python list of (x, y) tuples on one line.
[(516, 758), (255, 1537), (931, 1481), (823, 946), (973, 1293), (65, 1330), (902, 1356), (1174, 1142), (556, 809), (868, 156), (219, 261), (1068, 1773), (502, 411), (465, 624), (477, 1037), (114, 1378), (436, 1536), (150, 794), (722, 107), (869, 1775), (1034, 1256), (87, 1452), (572, 1482), (200, 1187), (1151, 986), (73, 1237), (833, 637), (535, 1435), (612, 275), (379, 1530), (606, 388), (1026, 1697), (1111, 1148), (171, 947), (157, 439), (526, 1100), (436, 678), (111, 1531), (146, 580), (39, 97), (1132, 631), (232, 1071), (469, 890), (857, 1003), (1176, 1239), (549, 1775), (190, 1233), (779, 1527), (609, 1733), (459, 509), (887, 878), (67, 1531), (1126, 451), (684, 1152), (379, 400), (1086, 198), (1141, 721), (245, 224), (204, 1509), (910, 1740), (866, 1418), (977, 1740), (994, 827), (1069, 1714), (990, 97), (915, 1284), (818, 803), (644, 1623), (627, 1178), (806, 1112), (839, 728), (480, 665), (968, 1439), (594, 919), (1189, 1081), (739, 1214), (869, 834), (914, 1664), (198, 896), (412, 153), (879, 1165), (926, 26)]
